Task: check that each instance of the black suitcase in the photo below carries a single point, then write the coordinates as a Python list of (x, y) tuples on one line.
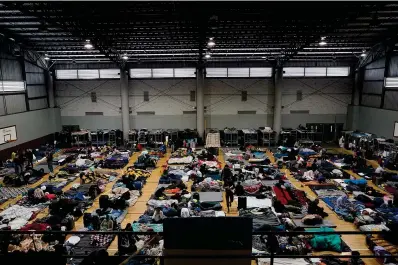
[(104, 201), (242, 202), (196, 196), (68, 222)]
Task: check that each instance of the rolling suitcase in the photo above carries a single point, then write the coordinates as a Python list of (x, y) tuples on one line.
[(242, 202)]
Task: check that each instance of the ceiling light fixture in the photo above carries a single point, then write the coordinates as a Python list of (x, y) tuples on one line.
[(125, 57), (323, 42), (211, 42), (207, 55), (263, 57), (88, 45), (363, 54), (46, 57)]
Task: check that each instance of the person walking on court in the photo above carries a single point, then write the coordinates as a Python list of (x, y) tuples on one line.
[(29, 157), (229, 196), (50, 159)]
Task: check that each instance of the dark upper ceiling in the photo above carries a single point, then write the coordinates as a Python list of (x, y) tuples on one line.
[(177, 31)]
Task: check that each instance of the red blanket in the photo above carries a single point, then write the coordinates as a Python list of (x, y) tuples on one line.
[(282, 195)]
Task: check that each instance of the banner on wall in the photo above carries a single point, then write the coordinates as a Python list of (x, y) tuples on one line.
[(396, 129), (8, 134)]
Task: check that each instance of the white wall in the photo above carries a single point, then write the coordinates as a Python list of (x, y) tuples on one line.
[(326, 99), (223, 100), (373, 120), (31, 125)]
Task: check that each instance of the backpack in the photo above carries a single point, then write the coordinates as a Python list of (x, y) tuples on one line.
[(124, 241), (196, 196), (104, 201)]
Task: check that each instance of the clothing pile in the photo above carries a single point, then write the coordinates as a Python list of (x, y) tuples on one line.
[(145, 161), (117, 160), (331, 242), (17, 216), (344, 207), (208, 184), (263, 218), (180, 160)]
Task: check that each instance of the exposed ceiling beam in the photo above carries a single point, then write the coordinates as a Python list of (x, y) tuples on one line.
[(76, 30), (338, 22)]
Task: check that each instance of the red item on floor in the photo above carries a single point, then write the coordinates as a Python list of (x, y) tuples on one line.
[(35, 226), (50, 197), (282, 195)]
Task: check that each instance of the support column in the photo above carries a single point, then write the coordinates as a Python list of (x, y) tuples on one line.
[(200, 116), (353, 108), (278, 101), (50, 89), (124, 93), (389, 53)]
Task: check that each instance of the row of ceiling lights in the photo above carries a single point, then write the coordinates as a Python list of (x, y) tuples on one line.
[(210, 44), (88, 46), (323, 42)]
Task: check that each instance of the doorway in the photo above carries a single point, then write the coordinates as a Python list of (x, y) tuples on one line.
[(326, 132)]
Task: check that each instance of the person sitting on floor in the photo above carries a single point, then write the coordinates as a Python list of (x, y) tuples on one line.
[(379, 170), (158, 216), (106, 224), (160, 193), (127, 241), (210, 157), (314, 165), (185, 212), (239, 190), (313, 208), (241, 177), (343, 199), (83, 177)]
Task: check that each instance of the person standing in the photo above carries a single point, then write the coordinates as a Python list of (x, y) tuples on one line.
[(29, 157), (50, 159), (229, 196), (239, 190), (172, 146), (226, 174), (21, 156), (17, 164)]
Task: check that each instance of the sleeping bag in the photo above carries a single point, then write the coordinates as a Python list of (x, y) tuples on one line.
[(325, 242)]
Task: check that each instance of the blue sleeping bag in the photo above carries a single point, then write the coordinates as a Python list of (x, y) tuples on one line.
[(358, 182)]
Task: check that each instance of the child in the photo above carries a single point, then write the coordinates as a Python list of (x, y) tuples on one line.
[(158, 216)]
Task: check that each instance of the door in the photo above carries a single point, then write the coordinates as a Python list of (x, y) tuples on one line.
[(332, 131), (318, 129), (326, 132)]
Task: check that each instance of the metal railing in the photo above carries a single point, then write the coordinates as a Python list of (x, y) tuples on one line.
[(272, 255)]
